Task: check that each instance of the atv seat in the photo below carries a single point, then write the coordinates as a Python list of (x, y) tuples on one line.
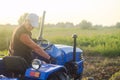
[(15, 64)]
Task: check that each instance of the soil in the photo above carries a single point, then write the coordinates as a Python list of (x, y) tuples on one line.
[(100, 68)]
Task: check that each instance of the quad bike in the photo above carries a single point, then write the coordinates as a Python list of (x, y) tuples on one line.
[(68, 64)]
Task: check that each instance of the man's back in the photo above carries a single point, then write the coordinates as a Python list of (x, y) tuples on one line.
[(19, 48)]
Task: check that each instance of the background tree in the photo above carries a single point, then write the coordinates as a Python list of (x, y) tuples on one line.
[(117, 25), (69, 24), (22, 18), (60, 24), (85, 24), (49, 25)]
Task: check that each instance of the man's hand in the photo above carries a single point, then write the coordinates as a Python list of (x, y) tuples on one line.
[(52, 60), (35, 40)]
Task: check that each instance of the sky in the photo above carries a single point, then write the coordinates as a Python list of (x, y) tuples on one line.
[(100, 12)]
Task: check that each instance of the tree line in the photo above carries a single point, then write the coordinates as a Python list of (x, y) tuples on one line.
[(84, 24)]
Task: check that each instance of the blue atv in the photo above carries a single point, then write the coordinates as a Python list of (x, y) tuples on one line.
[(68, 63)]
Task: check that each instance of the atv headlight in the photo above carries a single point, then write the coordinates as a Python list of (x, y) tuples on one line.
[(36, 64)]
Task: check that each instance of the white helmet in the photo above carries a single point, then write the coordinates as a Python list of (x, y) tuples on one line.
[(33, 19)]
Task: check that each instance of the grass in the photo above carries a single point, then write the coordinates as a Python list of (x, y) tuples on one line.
[(3, 53), (104, 41)]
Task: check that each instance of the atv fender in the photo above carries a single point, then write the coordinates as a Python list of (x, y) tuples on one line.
[(44, 72)]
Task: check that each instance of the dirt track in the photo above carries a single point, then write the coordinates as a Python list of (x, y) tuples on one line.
[(100, 68)]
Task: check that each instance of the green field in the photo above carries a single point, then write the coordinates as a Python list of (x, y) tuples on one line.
[(103, 41)]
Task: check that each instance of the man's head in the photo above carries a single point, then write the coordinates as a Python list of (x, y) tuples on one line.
[(31, 21)]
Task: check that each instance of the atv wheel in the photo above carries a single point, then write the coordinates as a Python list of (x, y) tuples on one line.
[(62, 76), (53, 78), (58, 76), (79, 77)]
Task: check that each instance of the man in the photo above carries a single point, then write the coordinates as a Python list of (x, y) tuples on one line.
[(22, 43)]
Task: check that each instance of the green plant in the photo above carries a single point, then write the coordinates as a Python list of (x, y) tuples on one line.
[(104, 41), (115, 76)]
